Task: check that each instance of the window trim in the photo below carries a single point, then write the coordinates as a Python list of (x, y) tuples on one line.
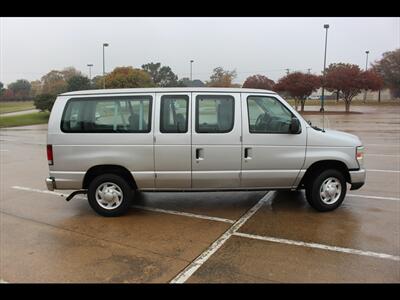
[(186, 98), (276, 99), (197, 113), (109, 98)]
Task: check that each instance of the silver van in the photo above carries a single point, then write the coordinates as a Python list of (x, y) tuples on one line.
[(113, 143)]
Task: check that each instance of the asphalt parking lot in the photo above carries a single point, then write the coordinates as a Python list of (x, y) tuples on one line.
[(204, 237)]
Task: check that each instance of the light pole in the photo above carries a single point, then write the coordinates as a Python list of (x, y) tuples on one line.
[(104, 68), (191, 62), (309, 70), (326, 26), (366, 68), (90, 71), (287, 71)]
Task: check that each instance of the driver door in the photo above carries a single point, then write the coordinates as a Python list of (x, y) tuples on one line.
[(272, 156)]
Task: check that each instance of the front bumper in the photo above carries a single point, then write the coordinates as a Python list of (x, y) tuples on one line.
[(357, 179), (50, 183)]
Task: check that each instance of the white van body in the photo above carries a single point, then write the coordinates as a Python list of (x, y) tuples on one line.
[(193, 139)]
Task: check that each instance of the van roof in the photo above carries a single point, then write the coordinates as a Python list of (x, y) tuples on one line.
[(169, 89)]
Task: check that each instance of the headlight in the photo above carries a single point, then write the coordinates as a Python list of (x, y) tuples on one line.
[(360, 155)]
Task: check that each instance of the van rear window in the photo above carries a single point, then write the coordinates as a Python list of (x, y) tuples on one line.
[(130, 114)]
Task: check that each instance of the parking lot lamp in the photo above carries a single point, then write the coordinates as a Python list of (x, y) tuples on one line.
[(366, 68), (326, 26), (90, 71), (104, 68), (191, 62)]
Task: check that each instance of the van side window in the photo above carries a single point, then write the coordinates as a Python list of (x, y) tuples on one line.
[(267, 115), (214, 114), (108, 115), (174, 114)]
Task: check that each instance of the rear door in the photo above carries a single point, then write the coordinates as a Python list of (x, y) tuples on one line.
[(172, 141), (216, 145)]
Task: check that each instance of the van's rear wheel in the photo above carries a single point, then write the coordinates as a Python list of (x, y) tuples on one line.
[(109, 195), (327, 191)]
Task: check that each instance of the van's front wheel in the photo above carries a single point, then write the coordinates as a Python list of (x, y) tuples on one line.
[(327, 191), (109, 195)]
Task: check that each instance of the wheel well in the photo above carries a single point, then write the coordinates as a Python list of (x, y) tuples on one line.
[(321, 166), (95, 171)]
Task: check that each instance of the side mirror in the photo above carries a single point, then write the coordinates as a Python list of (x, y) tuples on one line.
[(294, 127)]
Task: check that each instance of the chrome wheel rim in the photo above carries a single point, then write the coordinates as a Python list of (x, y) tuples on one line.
[(109, 195), (330, 190)]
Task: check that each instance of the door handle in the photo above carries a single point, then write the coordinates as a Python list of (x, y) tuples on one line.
[(247, 153), (199, 154)]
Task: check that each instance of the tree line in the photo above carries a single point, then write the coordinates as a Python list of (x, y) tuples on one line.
[(345, 80)]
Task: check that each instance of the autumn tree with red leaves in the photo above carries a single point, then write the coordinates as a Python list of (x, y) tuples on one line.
[(349, 80), (259, 82), (372, 80), (299, 86), (389, 68)]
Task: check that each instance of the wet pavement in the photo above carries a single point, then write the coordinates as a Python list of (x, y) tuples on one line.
[(43, 238)]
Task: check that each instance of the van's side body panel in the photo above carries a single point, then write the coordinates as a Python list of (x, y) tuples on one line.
[(219, 164), (275, 159), (75, 153), (331, 145), (172, 151)]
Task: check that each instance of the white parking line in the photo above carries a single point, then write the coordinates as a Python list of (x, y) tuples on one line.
[(2, 281), (203, 257), (385, 171), (319, 246), (373, 197), (172, 212), (179, 213), (20, 142), (38, 191)]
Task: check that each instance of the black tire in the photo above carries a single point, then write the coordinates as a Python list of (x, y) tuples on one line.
[(313, 190), (127, 195)]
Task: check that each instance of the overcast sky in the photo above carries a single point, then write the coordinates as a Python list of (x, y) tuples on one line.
[(31, 47)]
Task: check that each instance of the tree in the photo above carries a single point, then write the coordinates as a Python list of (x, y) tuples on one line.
[(70, 72), (36, 88), (349, 80), (259, 82), (8, 95), (1, 88), (222, 78), (78, 83), (299, 86), (128, 77), (389, 68), (372, 81), (97, 82), (44, 102), (54, 83), (161, 76), (186, 82), (21, 88)]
